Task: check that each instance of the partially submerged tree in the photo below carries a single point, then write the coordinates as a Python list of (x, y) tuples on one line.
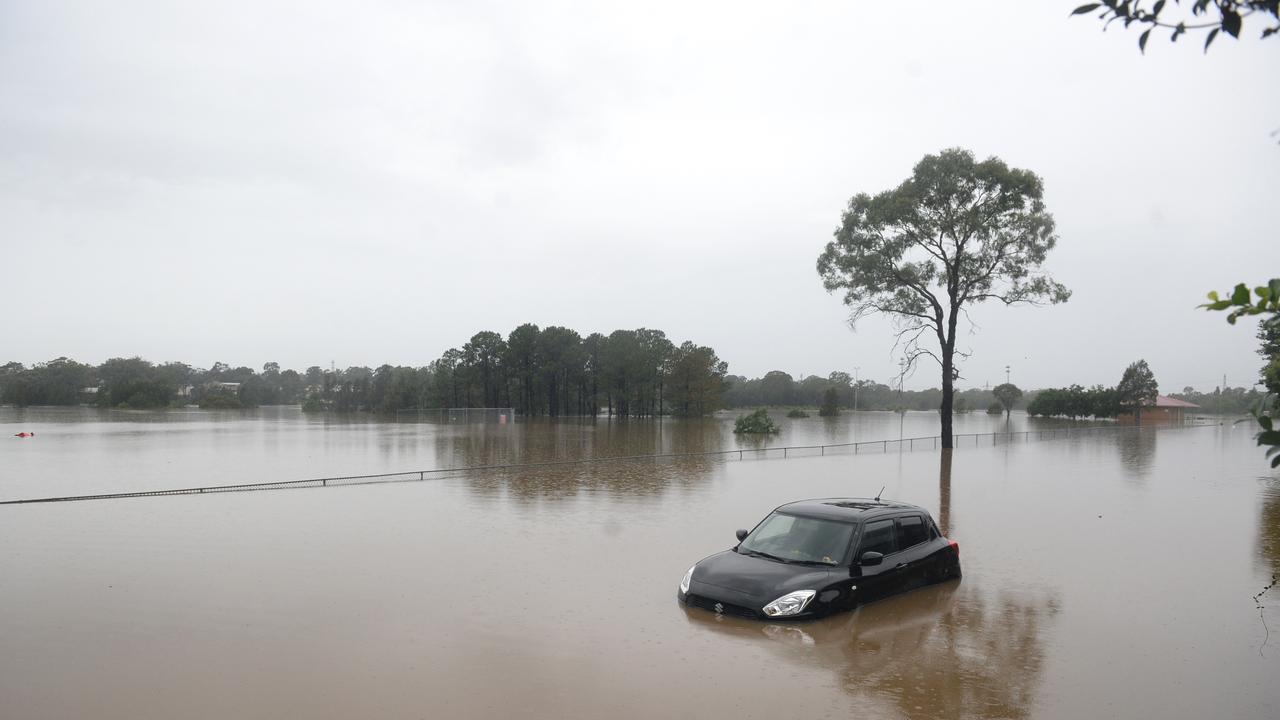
[(956, 233), (757, 423), (1137, 388), (830, 403), (1007, 394)]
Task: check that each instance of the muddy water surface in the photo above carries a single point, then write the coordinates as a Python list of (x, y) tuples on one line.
[(1104, 576)]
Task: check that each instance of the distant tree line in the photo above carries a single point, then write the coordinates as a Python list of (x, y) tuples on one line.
[(138, 383), (837, 390), (551, 371)]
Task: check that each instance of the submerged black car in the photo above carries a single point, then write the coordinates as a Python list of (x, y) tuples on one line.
[(815, 557)]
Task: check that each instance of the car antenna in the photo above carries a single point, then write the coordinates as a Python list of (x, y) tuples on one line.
[(882, 487)]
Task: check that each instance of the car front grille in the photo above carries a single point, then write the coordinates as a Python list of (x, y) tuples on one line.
[(707, 603)]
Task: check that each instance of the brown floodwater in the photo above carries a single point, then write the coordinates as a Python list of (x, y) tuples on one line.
[(1105, 576)]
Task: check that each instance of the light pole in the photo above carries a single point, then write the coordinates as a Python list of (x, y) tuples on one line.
[(1006, 374)]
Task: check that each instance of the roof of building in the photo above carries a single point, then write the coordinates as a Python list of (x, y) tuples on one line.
[(1166, 401)]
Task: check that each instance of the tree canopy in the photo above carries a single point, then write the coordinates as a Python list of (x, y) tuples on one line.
[(1007, 394), (1137, 387), (957, 233)]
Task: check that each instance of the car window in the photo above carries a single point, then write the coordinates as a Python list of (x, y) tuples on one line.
[(803, 539), (774, 526), (911, 531), (877, 537)]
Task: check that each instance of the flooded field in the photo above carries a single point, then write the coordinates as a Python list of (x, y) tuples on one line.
[(1105, 576)]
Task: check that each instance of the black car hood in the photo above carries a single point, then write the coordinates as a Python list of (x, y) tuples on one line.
[(753, 580)]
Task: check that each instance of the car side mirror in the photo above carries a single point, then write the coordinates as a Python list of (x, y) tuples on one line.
[(871, 557), (742, 535)]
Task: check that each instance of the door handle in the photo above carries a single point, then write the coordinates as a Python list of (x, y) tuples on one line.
[(899, 566)]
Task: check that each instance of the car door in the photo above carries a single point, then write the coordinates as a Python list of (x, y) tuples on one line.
[(876, 581), (913, 551)]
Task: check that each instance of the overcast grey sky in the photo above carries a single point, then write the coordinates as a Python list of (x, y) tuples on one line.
[(375, 182)]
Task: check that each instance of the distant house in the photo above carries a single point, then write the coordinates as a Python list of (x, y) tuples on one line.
[(231, 388), (1165, 411)]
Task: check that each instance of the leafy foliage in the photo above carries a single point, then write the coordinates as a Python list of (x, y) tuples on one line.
[(1075, 402), (797, 413), (955, 234), (1241, 304), (1215, 16), (995, 408), (757, 422)]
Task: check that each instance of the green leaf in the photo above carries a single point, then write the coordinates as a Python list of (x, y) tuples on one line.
[(1240, 296), (1086, 8), (1213, 295), (1231, 23), (1212, 34), (1274, 284), (1142, 41)]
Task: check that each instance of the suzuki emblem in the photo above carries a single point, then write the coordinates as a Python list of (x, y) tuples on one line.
[(719, 608)]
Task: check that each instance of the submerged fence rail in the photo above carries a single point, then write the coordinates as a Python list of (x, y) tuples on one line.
[(790, 451)]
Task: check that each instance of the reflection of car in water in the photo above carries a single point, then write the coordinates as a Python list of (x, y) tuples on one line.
[(897, 628), (815, 557)]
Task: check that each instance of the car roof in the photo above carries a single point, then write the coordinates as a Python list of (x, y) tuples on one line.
[(846, 509)]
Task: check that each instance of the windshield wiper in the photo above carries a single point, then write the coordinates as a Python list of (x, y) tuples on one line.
[(767, 555), (789, 561)]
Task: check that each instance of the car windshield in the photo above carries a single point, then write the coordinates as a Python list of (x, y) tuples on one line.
[(791, 538)]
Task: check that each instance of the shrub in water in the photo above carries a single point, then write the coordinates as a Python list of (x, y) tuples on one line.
[(757, 422), (797, 413)]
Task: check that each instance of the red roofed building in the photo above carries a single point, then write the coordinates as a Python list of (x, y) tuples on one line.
[(1166, 411)]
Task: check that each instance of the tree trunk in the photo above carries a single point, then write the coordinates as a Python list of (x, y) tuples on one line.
[(948, 396)]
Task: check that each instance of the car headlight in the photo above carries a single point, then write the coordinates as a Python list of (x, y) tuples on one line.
[(684, 581), (789, 604)]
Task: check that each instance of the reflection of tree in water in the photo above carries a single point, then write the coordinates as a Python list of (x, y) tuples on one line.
[(564, 440), (983, 659), (1269, 527), (1137, 450), (944, 492), (935, 652)]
